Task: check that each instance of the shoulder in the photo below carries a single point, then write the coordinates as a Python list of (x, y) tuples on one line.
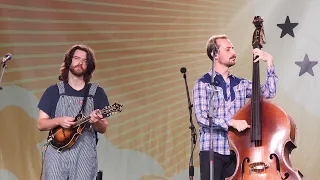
[(51, 90), (205, 79), (240, 82), (99, 91), (243, 81), (100, 98), (53, 87), (49, 99), (97, 88), (237, 80)]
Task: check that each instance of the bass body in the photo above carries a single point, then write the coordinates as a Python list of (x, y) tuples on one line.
[(269, 158)]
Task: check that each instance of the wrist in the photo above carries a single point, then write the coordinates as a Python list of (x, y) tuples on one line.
[(230, 123), (100, 126), (57, 121)]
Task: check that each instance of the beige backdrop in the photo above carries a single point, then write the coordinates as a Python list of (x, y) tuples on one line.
[(141, 46)]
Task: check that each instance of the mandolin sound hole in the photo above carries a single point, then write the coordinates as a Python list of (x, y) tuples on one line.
[(258, 167)]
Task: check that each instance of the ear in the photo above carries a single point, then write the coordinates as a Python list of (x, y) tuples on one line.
[(215, 50), (212, 56), (215, 58)]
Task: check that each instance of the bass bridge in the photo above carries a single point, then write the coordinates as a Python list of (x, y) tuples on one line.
[(258, 167)]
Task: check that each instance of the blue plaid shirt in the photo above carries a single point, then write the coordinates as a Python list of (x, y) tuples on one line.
[(228, 99)]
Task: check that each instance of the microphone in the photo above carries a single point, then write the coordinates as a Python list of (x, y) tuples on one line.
[(6, 58), (215, 50), (183, 70)]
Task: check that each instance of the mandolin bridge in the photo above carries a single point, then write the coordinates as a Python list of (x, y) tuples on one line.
[(258, 167)]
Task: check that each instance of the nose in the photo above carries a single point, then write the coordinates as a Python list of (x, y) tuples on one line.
[(233, 52)]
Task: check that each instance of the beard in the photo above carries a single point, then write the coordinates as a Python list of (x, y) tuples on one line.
[(77, 70), (231, 62)]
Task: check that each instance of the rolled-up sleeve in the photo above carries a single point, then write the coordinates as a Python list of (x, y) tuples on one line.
[(268, 89)]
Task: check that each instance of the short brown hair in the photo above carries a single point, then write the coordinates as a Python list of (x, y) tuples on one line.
[(213, 42), (64, 71)]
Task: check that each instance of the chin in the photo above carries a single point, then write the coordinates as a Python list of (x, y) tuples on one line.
[(231, 64)]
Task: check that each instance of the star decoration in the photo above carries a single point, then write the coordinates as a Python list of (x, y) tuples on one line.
[(306, 65), (287, 27)]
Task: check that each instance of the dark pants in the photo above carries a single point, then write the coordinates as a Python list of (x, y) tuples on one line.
[(224, 165)]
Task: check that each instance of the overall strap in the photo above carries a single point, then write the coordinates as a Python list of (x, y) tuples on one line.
[(93, 89), (86, 93), (61, 88), (90, 90)]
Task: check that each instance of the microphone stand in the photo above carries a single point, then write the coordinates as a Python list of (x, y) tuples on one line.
[(183, 70), (210, 115), (99, 177), (4, 66)]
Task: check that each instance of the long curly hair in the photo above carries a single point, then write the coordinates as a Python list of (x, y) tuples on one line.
[(65, 67)]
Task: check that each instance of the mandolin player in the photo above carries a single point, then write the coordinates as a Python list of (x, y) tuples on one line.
[(59, 106)]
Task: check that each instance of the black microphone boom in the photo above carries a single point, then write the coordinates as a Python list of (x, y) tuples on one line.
[(183, 70), (210, 114)]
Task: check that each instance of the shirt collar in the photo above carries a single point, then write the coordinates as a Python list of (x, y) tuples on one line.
[(215, 73)]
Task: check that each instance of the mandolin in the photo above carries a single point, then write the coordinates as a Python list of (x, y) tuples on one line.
[(64, 138)]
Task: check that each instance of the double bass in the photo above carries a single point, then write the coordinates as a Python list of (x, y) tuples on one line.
[(263, 150)]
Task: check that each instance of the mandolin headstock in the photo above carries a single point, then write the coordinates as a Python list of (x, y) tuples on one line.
[(258, 37), (112, 109)]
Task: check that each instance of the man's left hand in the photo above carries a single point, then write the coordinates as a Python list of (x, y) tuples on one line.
[(95, 116), (262, 55)]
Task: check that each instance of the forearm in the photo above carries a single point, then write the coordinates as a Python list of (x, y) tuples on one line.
[(100, 126), (269, 88), (46, 124), (270, 63), (217, 122)]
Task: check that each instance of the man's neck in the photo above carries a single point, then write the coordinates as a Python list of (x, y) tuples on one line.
[(75, 82), (224, 71)]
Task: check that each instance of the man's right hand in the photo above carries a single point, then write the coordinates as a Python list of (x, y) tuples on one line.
[(66, 122), (239, 125)]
